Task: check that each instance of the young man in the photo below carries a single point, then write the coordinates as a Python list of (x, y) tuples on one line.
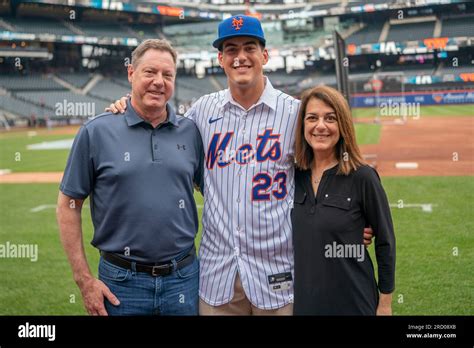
[(246, 252), (139, 171), (246, 249)]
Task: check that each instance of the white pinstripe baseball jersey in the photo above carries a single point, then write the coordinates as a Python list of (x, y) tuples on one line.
[(248, 193)]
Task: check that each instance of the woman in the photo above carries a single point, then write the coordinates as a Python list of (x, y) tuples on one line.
[(336, 196)]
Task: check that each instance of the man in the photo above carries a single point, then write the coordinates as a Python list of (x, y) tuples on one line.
[(139, 171), (246, 252), (247, 268)]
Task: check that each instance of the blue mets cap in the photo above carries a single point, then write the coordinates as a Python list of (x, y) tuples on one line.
[(239, 25)]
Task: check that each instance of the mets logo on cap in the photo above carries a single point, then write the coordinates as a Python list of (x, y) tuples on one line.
[(237, 23)]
